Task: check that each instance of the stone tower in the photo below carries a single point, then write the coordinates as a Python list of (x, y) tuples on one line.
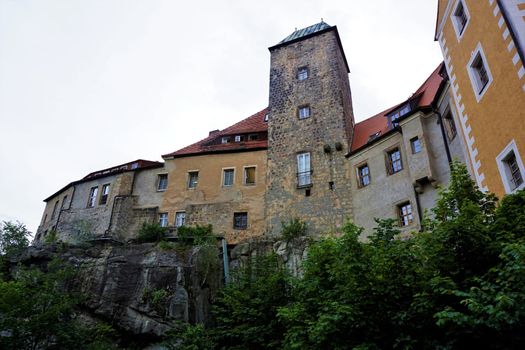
[(310, 128)]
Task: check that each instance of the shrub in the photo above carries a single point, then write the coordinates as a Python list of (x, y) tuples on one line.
[(151, 233), (196, 235), (293, 229)]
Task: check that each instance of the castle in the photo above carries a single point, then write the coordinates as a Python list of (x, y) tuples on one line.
[(303, 156)]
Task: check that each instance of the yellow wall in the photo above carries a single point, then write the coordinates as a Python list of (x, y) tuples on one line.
[(217, 201), (499, 117)]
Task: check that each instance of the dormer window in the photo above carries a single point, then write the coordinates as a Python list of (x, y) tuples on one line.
[(226, 139), (302, 73), (253, 137), (239, 138), (374, 136), (393, 117)]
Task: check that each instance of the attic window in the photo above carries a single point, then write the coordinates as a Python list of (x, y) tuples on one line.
[(266, 117), (398, 114), (239, 138), (226, 139), (374, 136), (253, 137)]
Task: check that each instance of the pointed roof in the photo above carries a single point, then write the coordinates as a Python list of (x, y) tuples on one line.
[(253, 124), (297, 34), (378, 124)]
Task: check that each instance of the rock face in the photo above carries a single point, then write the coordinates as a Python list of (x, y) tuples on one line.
[(141, 289)]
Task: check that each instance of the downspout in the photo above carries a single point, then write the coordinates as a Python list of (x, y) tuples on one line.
[(444, 136), (419, 214), (225, 262)]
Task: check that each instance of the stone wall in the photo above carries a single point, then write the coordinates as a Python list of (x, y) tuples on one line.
[(325, 135)]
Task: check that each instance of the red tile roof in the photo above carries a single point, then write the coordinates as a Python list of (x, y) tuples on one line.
[(252, 124), (423, 97)]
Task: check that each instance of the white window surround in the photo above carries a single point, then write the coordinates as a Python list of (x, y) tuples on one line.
[(228, 181), (180, 218), (456, 22), (474, 79), (503, 168)]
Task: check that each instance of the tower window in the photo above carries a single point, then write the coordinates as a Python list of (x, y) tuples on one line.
[(415, 144), (405, 215), (460, 18), (304, 112), (302, 73), (304, 171), (511, 168)]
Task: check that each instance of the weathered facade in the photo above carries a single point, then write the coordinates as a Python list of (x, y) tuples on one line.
[(400, 156), (113, 202), (301, 157), (310, 126), (483, 44)]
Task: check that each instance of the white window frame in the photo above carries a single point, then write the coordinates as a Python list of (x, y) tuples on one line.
[(454, 20), (304, 112), (504, 170), (163, 219), (302, 73), (159, 176), (473, 74), (180, 218), (304, 169), (224, 170)]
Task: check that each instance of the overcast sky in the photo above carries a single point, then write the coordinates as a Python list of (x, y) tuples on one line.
[(85, 85)]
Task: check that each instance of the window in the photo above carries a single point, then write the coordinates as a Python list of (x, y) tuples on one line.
[(239, 138), (460, 18), (374, 136), (134, 165), (393, 117), (180, 218), (240, 221), (304, 112), (304, 171), (479, 73), (266, 116), (92, 197), (104, 195), (162, 182), (64, 202), (363, 176), (249, 175), (405, 214), (225, 139), (163, 219), (415, 144), (227, 178), (511, 168), (193, 179), (450, 126), (302, 73), (394, 164), (55, 207), (253, 137)]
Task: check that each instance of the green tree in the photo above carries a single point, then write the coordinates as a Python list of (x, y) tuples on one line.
[(14, 238)]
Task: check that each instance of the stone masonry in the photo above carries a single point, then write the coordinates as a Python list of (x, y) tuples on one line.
[(326, 134)]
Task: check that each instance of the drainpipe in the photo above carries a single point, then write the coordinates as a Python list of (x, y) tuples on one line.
[(418, 204), (445, 141), (225, 261)]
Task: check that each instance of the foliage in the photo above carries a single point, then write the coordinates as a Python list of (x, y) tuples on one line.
[(189, 337), (13, 238), (246, 310), (165, 245), (151, 233), (293, 229), (51, 237), (196, 235)]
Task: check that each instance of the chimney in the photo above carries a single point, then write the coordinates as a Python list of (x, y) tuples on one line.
[(213, 132)]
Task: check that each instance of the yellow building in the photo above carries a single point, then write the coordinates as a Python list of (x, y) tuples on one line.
[(483, 42), (220, 180)]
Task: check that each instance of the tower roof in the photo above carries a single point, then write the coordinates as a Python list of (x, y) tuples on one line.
[(297, 34)]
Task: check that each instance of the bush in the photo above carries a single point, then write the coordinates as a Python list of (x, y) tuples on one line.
[(197, 235), (293, 229), (151, 233), (13, 238)]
